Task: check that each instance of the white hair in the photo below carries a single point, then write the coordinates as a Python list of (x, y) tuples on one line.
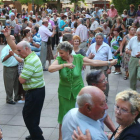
[(138, 30), (83, 99), (26, 44)]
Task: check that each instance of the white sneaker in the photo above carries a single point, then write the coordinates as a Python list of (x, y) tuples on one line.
[(116, 73), (21, 101), (113, 71)]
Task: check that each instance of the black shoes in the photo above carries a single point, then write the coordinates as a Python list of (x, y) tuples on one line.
[(45, 69), (28, 138), (11, 102)]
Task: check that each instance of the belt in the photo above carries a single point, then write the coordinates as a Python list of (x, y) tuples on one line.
[(28, 91), (135, 57), (11, 66)]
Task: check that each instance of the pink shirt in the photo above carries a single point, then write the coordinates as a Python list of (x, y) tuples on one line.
[(112, 13), (82, 32), (44, 33)]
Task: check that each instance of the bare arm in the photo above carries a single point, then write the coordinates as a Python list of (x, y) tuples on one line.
[(108, 122), (6, 57), (56, 67), (10, 42), (97, 63), (36, 45), (122, 44), (21, 80)]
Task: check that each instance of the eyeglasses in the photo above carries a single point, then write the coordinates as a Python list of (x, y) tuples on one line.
[(121, 110), (104, 80)]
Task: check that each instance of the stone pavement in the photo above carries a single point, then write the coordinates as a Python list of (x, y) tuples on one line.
[(11, 120)]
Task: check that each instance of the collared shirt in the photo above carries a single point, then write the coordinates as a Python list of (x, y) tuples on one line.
[(74, 118), (12, 23), (11, 61), (82, 32), (94, 25), (32, 72), (45, 33), (104, 40), (106, 31), (112, 13), (95, 14), (104, 52), (134, 46), (36, 39), (39, 22)]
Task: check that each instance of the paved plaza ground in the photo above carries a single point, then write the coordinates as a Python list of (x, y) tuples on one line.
[(11, 120)]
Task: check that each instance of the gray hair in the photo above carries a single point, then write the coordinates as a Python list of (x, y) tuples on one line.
[(99, 34), (67, 37), (132, 97), (81, 20), (66, 46), (26, 44), (83, 99), (138, 30), (67, 29), (94, 76)]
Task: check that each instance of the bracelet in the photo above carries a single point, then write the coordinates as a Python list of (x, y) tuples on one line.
[(109, 63)]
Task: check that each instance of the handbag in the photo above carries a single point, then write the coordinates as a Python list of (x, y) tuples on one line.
[(138, 74)]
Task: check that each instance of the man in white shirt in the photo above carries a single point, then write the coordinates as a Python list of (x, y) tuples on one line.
[(86, 116), (82, 32), (133, 48), (45, 34), (101, 51), (106, 29), (94, 24)]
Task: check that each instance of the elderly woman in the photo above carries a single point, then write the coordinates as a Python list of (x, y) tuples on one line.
[(126, 57), (63, 23), (119, 24), (127, 104), (70, 67), (115, 47)]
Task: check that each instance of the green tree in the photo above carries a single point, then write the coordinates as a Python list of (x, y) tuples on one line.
[(76, 3), (120, 5)]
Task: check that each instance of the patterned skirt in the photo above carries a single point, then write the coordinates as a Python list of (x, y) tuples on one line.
[(125, 61)]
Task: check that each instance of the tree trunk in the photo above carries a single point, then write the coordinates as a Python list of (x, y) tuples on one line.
[(58, 6)]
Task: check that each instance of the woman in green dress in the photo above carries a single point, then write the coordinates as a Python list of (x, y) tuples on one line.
[(71, 82)]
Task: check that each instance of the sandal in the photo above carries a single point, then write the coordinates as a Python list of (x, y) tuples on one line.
[(125, 77)]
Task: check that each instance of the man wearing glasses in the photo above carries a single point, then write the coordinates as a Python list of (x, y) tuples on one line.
[(101, 51)]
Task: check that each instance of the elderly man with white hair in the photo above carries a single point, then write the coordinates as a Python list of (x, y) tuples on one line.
[(92, 105), (33, 83), (133, 48), (82, 32), (94, 24)]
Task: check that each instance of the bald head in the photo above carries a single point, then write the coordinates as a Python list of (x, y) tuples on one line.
[(92, 102), (89, 94)]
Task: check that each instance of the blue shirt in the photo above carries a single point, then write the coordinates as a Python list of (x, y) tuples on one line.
[(62, 22), (74, 118), (11, 61), (94, 40), (36, 39)]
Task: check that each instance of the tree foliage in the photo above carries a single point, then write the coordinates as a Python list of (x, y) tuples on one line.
[(120, 5), (36, 2)]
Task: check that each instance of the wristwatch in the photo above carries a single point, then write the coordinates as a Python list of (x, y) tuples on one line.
[(109, 63)]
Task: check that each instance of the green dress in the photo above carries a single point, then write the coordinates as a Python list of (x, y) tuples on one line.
[(70, 84)]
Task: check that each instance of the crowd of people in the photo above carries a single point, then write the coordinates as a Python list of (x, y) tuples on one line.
[(97, 38)]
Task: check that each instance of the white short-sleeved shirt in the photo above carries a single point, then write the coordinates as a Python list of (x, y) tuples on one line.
[(74, 118), (134, 46), (45, 33), (104, 52)]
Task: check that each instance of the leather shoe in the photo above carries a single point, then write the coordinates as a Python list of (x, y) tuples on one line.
[(11, 102), (45, 69), (28, 138)]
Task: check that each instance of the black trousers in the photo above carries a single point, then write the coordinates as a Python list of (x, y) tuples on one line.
[(55, 40), (34, 100)]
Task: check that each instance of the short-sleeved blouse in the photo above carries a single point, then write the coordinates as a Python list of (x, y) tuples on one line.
[(71, 81)]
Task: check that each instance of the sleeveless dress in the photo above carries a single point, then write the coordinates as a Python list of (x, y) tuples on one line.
[(70, 84), (114, 46), (125, 57)]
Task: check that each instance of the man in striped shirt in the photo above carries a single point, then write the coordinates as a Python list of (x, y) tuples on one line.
[(33, 83)]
